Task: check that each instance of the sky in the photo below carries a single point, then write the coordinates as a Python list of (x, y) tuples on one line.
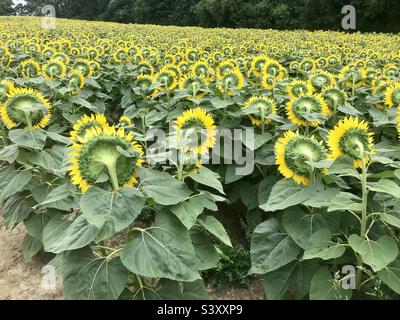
[(18, 1)]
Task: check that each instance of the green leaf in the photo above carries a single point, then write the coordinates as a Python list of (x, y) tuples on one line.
[(163, 251), (34, 139), (300, 226), (219, 103), (295, 276), (87, 277), (30, 247), (324, 287), (390, 219), (377, 254), (188, 211), (390, 276), (16, 184), (213, 226), (343, 166), (58, 194), (61, 235), (206, 254), (16, 209), (208, 178), (345, 202), (321, 246), (9, 153), (386, 186), (162, 187), (36, 223), (53, 160), (173, 290), (109, 211), (286, 193), (270, 249), (322, 198)]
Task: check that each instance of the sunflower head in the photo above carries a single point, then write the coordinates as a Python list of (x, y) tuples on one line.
[(232, 80), (30, 68), (198, 129), (168, 81), (105, 155), (26, 107), (293, 154), (54, 69), (334, 97), (298, 88), (6, 86), (307, 110), (194, 85), (321, 79), (392, 98), (351, 137), (83, 66), (76, 81), (87, 123), (258, 109)]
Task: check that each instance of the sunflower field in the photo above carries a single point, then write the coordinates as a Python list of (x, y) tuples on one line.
[(79, 108)]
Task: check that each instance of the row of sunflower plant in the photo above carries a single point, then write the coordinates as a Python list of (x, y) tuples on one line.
[(79, 106)]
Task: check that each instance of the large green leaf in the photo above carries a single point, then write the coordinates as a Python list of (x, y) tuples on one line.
[(206, 254), (390, 276), (295, 276), (208, 178), (321, 246), (173, 290), (61, 197), (34, 139), (377, 254), (36, 223), (111, 211), (87, 277), (300, 226), (386, 186), (271, 249), (61, 234), (16, 184), (30, 247), (286, 193), (212, 225), (9, 153), (324, 287), (390, 219), (162, 187), (345, 201), (163, 251), (16, 209)]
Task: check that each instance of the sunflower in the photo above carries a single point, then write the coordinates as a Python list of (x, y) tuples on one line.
[(86, 123), (54, 69), (76, 81), (200, 127), (30, 68), (124, 122), (321, 79), (258, 109), (194, 85), (351, 137), (26, 106), (201, 68), (105, 153), (352, 77), (168, 81), (298, 88), (61, 56), (307, 65), (84, 66), (392, 98), (232, 80), (120, 56), (307, 110), (293, 151), (335, 98), (145, 68)]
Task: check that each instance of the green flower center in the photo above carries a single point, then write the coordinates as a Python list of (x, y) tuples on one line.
[(306, 106), (355, 143), (335, 98), (320, 80), (396, 96), (25, 109), (83, 67)]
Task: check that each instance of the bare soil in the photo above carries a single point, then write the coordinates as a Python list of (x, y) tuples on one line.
[(20, 280)]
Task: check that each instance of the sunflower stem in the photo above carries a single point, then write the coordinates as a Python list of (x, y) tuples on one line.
[(112, 172), (364, 218), (28, 120), (4, 134)]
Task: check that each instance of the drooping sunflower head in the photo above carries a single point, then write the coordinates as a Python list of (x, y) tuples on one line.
[(194, 85), (76, 81), (83, 66), (124, 122), (201, 68), (30, 68), (259, 109), (307, 65), (334, 97), (62, 57), (27, 108), (144, 82), (293, 152), (351, 137), (352, 77), (105, 155), (307, 110), (392, 98), (145, 68), (54, 69), (120, 55), (86, 123), (233, 80), (298, 88), (321, 79), (167, 78), (198, 129), (391, 71)]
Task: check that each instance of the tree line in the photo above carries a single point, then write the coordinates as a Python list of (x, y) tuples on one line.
[(372, 15)]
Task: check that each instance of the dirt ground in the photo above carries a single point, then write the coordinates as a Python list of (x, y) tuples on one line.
[(20, 280)]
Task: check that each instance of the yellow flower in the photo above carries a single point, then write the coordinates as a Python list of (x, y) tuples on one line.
[(351, 137), (30, 68), (260, 108), (54, 69), (307, 110), (392, 98)]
